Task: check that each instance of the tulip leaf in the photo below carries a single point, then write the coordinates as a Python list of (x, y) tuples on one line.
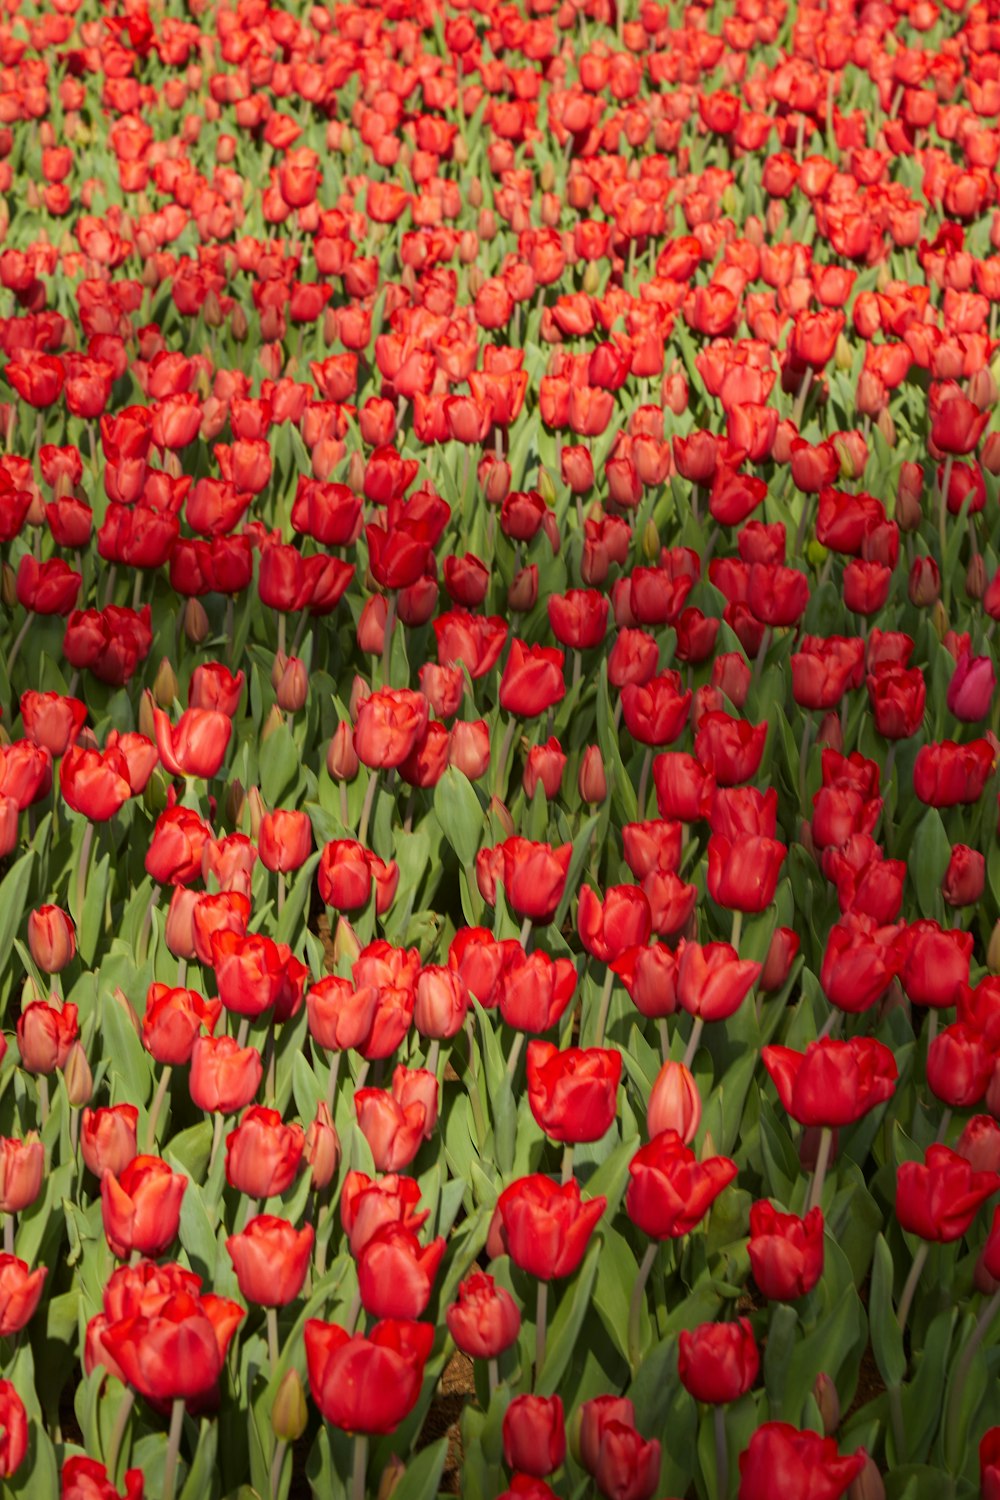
[(460, 813), (203, 1476), (564, 1330), (581, 848), (423, 1473), (930, 852), (278, 761), (887, 1336), (921, 1397), (613, 1291), (91, 915), (13, 899), (296, 899)]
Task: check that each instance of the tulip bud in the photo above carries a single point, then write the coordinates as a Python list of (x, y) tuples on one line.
[(391, 1476), (258, 811), (8, 586), (498, 811), (78, 1077), (146, 721), (235, 802), (274, 721), (826, 1398), (342, 758), (196, 625), (322, 1148), (359, 691), (592, 781), (239, 325), (474, 193), (989, 454), (908, 512), (346, 945), (925, 582), (293, 686), (125, 1005), (523, 592), (51, 938), (975, 577), (356, 472), (592, 278), (886, 426), (165, 688), (674, 1102), (979, 1143), (545, 487), (650, 541), (460, 153), (289, 1413), (993, 950), (939, 619), (868, 1485)]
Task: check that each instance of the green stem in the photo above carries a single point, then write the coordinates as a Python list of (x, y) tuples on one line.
[(16, 647), (280, 1449), (154, 1113), (514, 1055), (737, 931), (173, 1448), (541, 1309), (360, 1465), (605, 1005), (819, 1174), (693, 1040), (220, 1121), (118, 1432), (273, 1347), (501, 765), (635, 1305), (567, 1162), (390, 623), (910, 1289), (721, 1453), (366, 809), (647, 761), (961, 1375), (83, 865)]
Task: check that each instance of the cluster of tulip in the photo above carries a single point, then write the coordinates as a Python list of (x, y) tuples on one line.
[(499, 849)]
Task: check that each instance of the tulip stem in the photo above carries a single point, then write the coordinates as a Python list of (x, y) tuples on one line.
[(737, 931), (360, 1465), (277, 1462), (220, 1121), (693, 1040), (273, 1347), (804, 748), (18, 643), (635, 1306), (154, 1113), (505, 744), (118, 1432), (541, 1308), (524, 936), (43, 1097), (493, 1373), (182, 972), (8, 1234), (270, 1054), (602, 1013), (819, 1172), (961, 1375), (173, 1447), (647, 761), (514, 1055), (390, 624), (82, 867), (949, 464), (281, 891), (943, 1127), (567, 1162), (331, 1083), (762, 650), (721, 1453), (909, 1290), (433, 1054), (366, 809), (661, 1027)]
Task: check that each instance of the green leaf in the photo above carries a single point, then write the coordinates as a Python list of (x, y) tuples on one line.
[(278, 762), (887, 1336), (203, 1476), (460, 813), (423, 1474), (567, 1323), (930, 852), (13, 899)]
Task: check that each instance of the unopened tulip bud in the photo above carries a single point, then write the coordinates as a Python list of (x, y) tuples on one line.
[(51, 938), (330, 326), (650, 540), (342, 758), (346, 944), (359, 691), (196, 624), (909, 512), (675, 393), (546, 488), (924, 586), (498, 811), (939, 619), (547, 177), (979, 1143), (289, 1413), (975, 577), (989, 454), (258, 811), (523, 592), (475, 193), (274, 721), (460, 153), (886, 426), (239, 325), (831, 732), (322, 1148), (293, 686), (843, 356), (826, 1398), (592, 781), (356, 472), (674, 1102), (391, 1476), (165, 688), (235, 802), (78, 1077), (592, 278), (146, 721), (993, 950), (868, 1485), (982, 389), (127, 1008)]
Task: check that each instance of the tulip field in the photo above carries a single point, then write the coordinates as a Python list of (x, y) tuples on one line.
[(499, 760)]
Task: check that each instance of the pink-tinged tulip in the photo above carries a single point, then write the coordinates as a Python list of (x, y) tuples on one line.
[(674, 1103), (970, 691)]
